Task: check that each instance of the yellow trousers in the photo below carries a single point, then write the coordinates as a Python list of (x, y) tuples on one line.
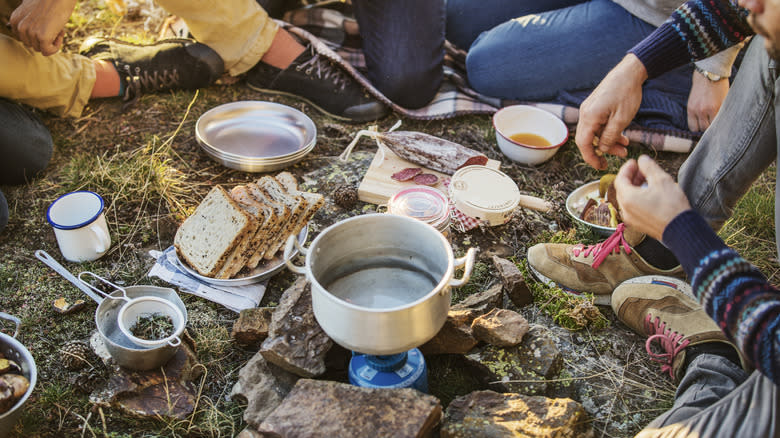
[(240, 31)]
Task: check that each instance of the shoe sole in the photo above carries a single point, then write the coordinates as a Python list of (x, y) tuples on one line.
[(295, 96), (601, 300)]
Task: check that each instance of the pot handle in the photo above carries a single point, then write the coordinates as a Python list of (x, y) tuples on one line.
[(288, 249), (468, 260), (13, 319)]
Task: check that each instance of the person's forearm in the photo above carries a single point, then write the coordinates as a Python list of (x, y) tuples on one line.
[(733, 292), (696, 30)]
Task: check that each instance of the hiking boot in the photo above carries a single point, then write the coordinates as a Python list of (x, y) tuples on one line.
[(165, 65), (321, 83), (671, 319), (595, 269)]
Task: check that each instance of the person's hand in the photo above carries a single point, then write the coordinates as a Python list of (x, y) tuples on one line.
[(704, 101), (40, 24), (608, 111), (649, 198)]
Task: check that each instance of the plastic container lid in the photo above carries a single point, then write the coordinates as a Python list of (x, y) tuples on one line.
[(423, 203), (485, 194)]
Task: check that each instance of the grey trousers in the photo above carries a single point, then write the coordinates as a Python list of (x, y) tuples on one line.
[(716, 398), (25, 148)]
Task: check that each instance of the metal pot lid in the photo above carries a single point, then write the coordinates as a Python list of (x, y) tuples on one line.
[(256, 132), (484, 193)]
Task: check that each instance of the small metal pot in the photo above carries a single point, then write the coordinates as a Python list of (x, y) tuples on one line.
[(14, 350), (380, 283), (125, 352)]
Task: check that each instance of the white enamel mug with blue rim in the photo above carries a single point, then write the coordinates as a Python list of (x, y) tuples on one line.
[(80, 225)]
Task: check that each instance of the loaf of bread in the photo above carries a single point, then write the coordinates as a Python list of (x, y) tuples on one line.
[(207, 238), (231, 233)]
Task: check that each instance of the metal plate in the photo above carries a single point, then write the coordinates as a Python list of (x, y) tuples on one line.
[(255, 136), (265, 269), (576, 202)]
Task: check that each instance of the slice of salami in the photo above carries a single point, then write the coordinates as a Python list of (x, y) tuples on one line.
[(406, 174), (427, 179)]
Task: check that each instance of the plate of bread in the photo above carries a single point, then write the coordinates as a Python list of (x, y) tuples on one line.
[(235, 237)]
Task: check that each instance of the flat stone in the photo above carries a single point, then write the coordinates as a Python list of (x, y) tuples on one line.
[(296, 342), (455, 336), (523, 368), (500, 327), (249, 432), (490, 414), (513, 282), (262, 386), (251, 327), (326, 409), (167, 393), (482, 302)]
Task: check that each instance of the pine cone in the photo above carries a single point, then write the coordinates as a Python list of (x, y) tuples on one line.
[(345, 196), (75, 355)]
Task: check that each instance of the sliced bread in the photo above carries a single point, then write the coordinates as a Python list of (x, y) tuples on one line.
[(207, 238), (282, 212), (296, 204), (314, 200), (240, 255)]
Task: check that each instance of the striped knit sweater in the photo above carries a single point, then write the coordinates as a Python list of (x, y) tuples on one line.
[(733, 292), (696, 30)]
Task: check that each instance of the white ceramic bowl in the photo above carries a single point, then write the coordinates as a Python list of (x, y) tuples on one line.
[(526, 119)]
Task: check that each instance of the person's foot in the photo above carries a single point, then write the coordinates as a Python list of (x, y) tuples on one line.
[(320, 82), (671, 319), (165, 65), (595, 269)]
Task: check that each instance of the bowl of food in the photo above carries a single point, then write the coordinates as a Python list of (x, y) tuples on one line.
[(528, 135), (595, 205), (18, 376)]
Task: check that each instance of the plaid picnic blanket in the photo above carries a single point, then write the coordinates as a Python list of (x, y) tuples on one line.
[(324, 28)]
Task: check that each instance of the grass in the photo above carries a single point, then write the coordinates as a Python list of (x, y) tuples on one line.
[(146, 164)]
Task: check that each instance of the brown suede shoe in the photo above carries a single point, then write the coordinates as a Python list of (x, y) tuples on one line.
[(659, 308), (595, 269)]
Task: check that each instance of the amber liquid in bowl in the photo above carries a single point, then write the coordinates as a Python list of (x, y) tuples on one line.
[(529, 139)]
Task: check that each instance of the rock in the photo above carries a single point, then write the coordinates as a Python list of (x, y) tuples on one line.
[(316, 408), (500, 327), (251, 327), (262, 386), (482, 302), (523, 368), (490, 414), (167, 393), (296, 342), (513, 282), (455, 336), (249, 432)]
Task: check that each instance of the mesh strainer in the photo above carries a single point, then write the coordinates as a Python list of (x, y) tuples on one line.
[(144, 306)]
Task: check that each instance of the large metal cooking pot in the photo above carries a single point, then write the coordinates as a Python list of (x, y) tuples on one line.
[(125, 352), (14, 350), (380, 283)]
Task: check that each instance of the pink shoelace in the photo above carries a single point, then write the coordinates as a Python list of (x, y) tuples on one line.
[(671, 342), (601, 250)]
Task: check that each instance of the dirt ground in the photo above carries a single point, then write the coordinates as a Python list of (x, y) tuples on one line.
[(142, 157)]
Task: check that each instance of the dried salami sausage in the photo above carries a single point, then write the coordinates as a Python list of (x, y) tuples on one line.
[(406, 174), (427, 179)]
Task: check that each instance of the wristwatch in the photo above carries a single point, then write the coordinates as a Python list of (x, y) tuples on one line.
[(710, 76)]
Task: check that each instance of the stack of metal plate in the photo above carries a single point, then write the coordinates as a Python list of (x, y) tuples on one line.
[(256, 136)]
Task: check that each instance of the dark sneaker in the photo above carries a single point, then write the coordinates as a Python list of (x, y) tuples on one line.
[(595, 269), (673, 321), (172, 64), (323, 84)]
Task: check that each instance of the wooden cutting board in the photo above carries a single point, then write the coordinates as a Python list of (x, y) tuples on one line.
[(377, 185)]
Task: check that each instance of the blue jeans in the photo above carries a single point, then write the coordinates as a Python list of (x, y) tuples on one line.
[(403, 42), (558, 50), (715, 398), (25, 148)]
